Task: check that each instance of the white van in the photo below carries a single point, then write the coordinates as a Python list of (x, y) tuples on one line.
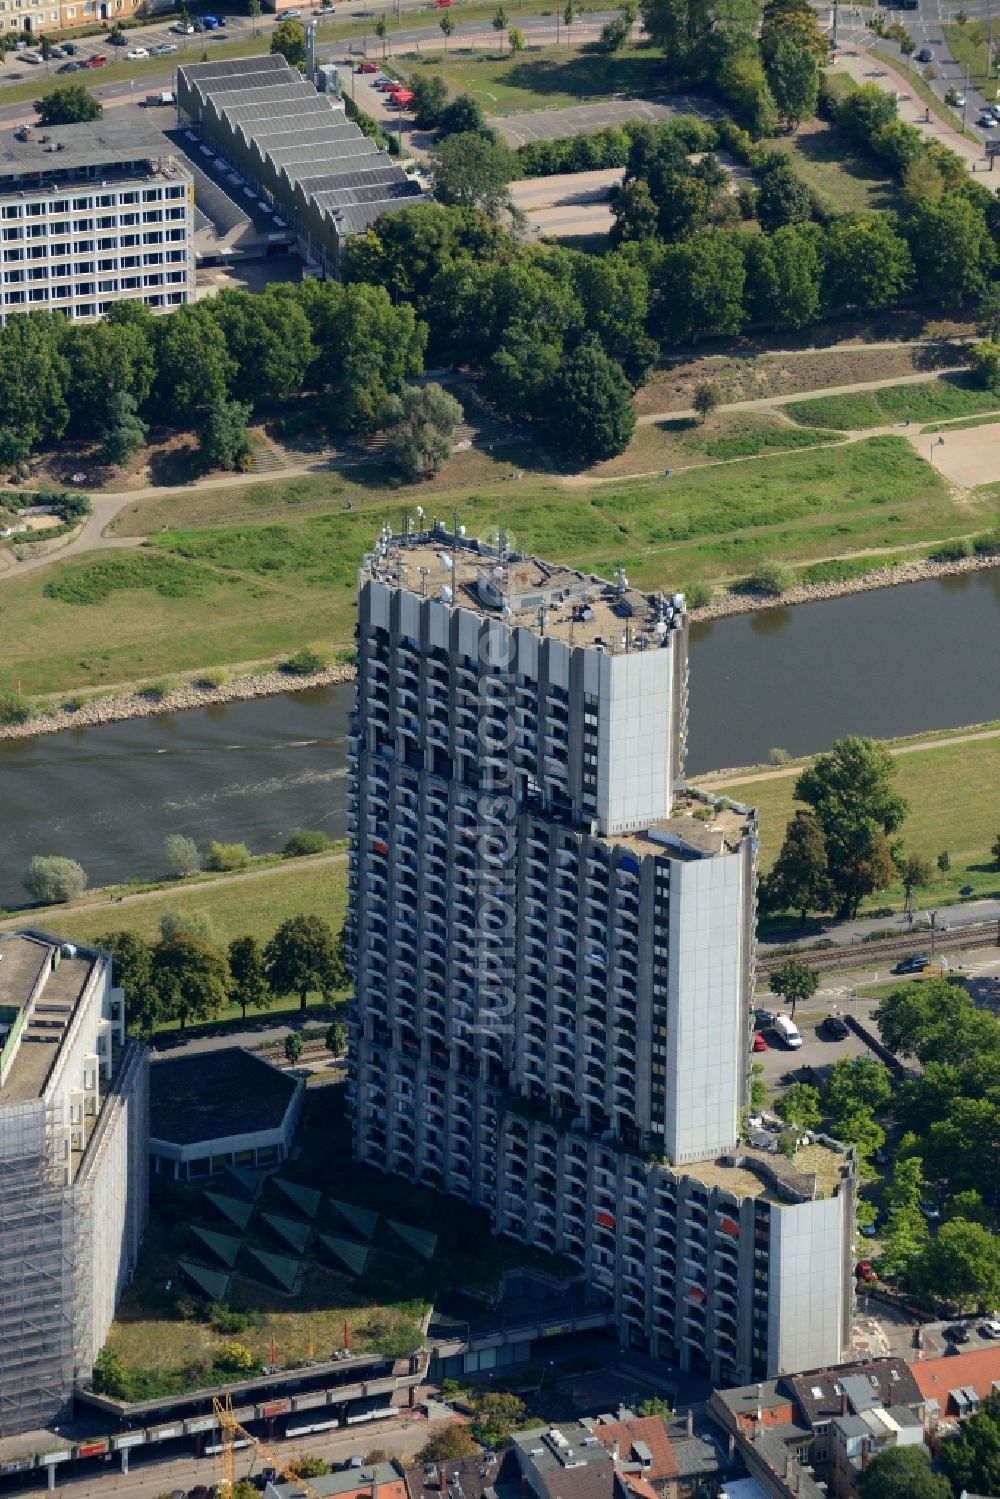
[(788, 1031)]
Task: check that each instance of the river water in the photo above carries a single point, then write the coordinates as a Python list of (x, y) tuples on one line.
[(891, 662)]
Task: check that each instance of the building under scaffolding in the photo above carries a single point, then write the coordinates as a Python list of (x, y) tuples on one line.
[(74, 1144)]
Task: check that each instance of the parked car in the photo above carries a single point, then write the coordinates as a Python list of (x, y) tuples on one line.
[(163, 49), (869, 1230), (58, 51), (211, 23), (762, 1019), (387, 85), (290, 15), (915, 964), (99, 60), (931, 1211), (441, 4), (366, 67), (70, 67), (925, 55), (759, 1044), (198, 24), (835, 1028), (134, 53), (959, 101), (865, 1272), (31, 57), (957, 1333), (181, 29), (70, 48), (989, 1329)]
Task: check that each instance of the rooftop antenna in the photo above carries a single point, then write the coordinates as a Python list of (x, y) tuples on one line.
[(543, 615), (420, 515), (620, 579), (423, 571)]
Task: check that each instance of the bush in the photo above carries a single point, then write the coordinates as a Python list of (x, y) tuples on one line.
[(951, 551), (14, 708), (697, 595), (235, 1357), (987, 545), (226, 1319), (305, 841), (447, 1445), (51, 879), (197, 924), (227, 856), (110, 1376), (778, 756), (308, 1465), (770, 578), (305, 663), (215, 676), (181, 855)]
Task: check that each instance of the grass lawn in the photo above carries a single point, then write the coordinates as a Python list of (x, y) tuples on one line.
[(848, 179), (681, 442), (954, 796), (947, 396), (968, 47), (196, 597), (166, 1337), (549, 77), (990, 420)]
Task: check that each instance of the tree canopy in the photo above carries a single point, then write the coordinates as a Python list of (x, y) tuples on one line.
[(304, 956), (851, 793), (68, 104), (903, 1471)]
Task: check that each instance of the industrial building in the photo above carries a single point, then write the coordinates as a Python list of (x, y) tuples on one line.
[(93, 214), (74, 1143), (553, 943), (295, 150)]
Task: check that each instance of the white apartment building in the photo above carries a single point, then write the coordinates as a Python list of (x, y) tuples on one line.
[(554, 956), (91, 215)]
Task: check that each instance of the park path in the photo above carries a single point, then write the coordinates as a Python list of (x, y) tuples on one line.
[(77, 908), (740, 778)]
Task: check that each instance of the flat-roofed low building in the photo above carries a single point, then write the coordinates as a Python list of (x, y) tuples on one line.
[(74, 1141), (295, 148), (90, 215)]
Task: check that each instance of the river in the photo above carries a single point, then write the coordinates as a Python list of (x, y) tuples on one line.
[(887, 663)]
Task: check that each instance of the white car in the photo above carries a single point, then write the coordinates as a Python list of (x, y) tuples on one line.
[(989, 1329), (183, 30), (31, 57), (134, 53)]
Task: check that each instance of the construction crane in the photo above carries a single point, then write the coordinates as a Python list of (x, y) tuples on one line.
[(231, 1429)]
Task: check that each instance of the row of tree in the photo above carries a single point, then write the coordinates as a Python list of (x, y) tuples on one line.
[(184, 976)]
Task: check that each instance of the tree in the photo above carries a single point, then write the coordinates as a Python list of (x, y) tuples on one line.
[(794, 980), (569, 14), (500, 21), (227, 857), (223, 439), (464, 116), (856, 1083), (988, 313), (294, 1047), (253, 9), (289, 38), (125, 432), (800, 1106), (850, 790), (430, 96), (34, 376), (961, 1266), (382, 32), (984, 359), (793, 74), (192, 923), (515, 40), (995, 851), (707, 396), (336, 1038), (590, 413), (683, 29), (308, 1465), (903, 1238), (305, 841), (914, 874), (247, 971), (270, 339), (758, 1089), (420, 425), (902, 1471), (192, 979), (194, 364), (472, 171), (498, 1414), (45, 48), (952, 248), (181, 855), (972, 1458), (447, 25), (783, 199), (698, 287), (110, 1376), (783, 275), (798, 879), (304, 955), (944, 861), (132, 972), (445, 1446), (867, 263), (907, 1185), (654, 1405), (792, 23), (68, 104), (51, 879)]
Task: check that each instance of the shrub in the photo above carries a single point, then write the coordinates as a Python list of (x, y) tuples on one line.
[(72, 704), (51, 878), (308, 1465), (110, 1376), (305, 663), (951, 551), (14, 708), (444, 1446), (778, 756), (234, 1356), (155, 692), (215, 676), (988, 545), (181, 855), (697, 595), (305, 841), (227, 856), (226, 1319), (197, 924), (770, 578)]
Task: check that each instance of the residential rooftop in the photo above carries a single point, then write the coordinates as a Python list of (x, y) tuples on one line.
[(97, 148), (41, 983), (497, 581), (381, 1481), (814, 1171)]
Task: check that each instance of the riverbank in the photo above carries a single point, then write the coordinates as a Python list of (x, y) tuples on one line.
[(919, 570), (197, 692)]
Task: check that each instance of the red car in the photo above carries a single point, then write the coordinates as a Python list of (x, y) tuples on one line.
[(366, 67), (98, 61), (759, 1044), (865, 1272), (441, 4)]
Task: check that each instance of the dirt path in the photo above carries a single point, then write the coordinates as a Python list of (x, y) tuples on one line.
[(763, 403), (735, 777), (26, 918)]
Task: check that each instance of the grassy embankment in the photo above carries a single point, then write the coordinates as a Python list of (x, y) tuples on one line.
[(926, 401), (954, 796)]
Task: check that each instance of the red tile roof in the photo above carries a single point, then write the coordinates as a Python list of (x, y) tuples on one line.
[(648, 1429), (936, 1376)]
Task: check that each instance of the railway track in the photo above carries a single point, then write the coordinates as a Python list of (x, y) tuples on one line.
[(861, 953)]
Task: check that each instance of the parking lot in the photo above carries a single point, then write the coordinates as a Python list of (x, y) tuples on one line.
[(581, 119), (818, 1051)]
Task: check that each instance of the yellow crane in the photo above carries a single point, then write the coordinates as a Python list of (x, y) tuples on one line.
[(231, 1429)]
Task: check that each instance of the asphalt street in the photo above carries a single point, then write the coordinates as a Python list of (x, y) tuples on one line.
[(846, 933)]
